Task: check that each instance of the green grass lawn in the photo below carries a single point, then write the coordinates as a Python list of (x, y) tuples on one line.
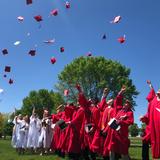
[(8, 153)]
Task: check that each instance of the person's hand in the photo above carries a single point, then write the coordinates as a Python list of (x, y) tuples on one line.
[(123, 89), (141, 118), (78, 87), (148, 82), (123, 117), (105, 91)]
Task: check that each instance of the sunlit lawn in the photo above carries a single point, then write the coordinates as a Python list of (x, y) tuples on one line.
[(8, 153)]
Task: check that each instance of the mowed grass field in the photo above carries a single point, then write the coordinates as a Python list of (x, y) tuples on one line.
[(8, 153)]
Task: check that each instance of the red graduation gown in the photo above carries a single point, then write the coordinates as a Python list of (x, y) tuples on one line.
[(57, 132), (146, 137), (154, 119), (120, 138), (98, 139)]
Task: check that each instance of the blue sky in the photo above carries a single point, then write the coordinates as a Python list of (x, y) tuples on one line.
[(79, 30)]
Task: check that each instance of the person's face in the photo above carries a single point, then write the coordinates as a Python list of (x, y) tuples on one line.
[(20, 117), (158, 93), (127, 104)]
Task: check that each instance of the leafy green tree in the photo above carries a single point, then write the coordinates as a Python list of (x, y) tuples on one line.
[(134, 130), (40, 99), (94, 74)]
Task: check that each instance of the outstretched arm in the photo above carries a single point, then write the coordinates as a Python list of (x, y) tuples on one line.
[(152, 93)]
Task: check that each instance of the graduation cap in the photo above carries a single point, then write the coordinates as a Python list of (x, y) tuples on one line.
[(50, 41), (68, 5), (5, 51), (89, 54), (10, 81), (7, 69), (38, 18), (54, 12), (53, 60), (116, 19), (32, 52), (1, 90), (61, 123), (29, 2), (62, 49), (4, 75), (121, 39), (20, 18), (17, 43), (104, 36)]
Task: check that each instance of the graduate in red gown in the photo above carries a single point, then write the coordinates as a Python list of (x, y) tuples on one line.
[(64, 138), (57, 130), (119, 137), (98, 139), (154, 118), (145, 119), (76, 135)]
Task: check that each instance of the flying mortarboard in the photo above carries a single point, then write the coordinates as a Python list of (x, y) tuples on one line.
[(54, 12), (121, 39), (53, 60), (32, 52), (29, 2), (62, 49), (89, 54), (68, 5), (104, 36), (116, 19), (10, 81), (7, 69), (20, 18), (50, 41), (17, 43), (38, 18), (5, 51)]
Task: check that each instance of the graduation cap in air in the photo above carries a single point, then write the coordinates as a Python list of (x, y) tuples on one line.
[(4, 75), (50, 41), (116, 19), (17, 43), (32, 52), (68, 5), (61, 123), (10, 81), (122, 39), (20, 18), (89, 54), (7, 69), (38, 18), (54, 12), (104, 36), (62, 49), (29, 2), (1, 90), (5, 51), (53, 60)]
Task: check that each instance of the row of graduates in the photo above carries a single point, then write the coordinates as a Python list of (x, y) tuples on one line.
[(32, 133), (85, 131), (151, 134), (93, 128)]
